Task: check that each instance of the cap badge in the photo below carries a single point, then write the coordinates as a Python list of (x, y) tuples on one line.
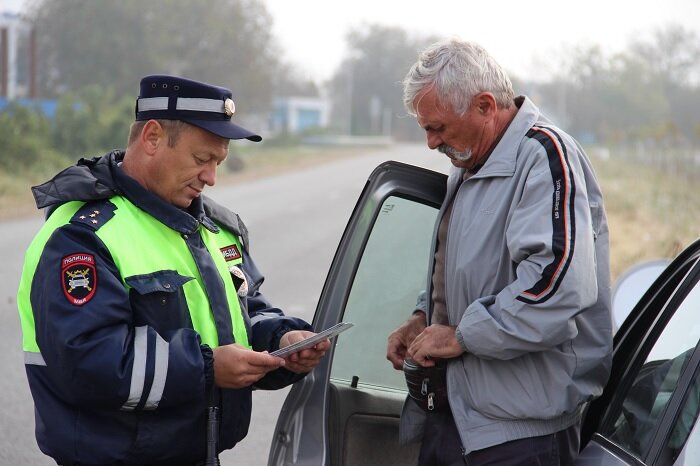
[(229, 107)]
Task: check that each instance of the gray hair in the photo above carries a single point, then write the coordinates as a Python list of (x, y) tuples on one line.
[(459, 70), (173, 129)]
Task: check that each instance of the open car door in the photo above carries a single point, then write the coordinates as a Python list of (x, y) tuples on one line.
[(346, 412), (648, 412)]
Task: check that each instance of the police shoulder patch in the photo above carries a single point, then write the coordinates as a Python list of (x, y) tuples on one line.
[(79, 277)]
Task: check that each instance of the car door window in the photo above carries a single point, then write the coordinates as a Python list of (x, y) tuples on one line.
[(683, 447), (655, 383), (391, 274)]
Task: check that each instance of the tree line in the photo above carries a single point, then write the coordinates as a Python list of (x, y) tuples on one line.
[(92, 54)]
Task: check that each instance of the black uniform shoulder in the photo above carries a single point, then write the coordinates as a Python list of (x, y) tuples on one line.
[(89, 179), (226, 218), (94, 214)]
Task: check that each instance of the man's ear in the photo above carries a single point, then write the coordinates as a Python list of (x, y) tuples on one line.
[(485, 103), (152, 136)]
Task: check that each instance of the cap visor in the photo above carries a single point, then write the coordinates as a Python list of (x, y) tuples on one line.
[(225, 129)]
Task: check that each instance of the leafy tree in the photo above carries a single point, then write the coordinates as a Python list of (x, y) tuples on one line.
[(673, 54), (367, 89), (289, 81), (83, 42), (91, 122), (24, 133), (114, 43), (672, 58)]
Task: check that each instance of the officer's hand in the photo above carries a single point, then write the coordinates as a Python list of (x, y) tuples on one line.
[(401, 338), (305, 360), (435, 342), (238, 367)]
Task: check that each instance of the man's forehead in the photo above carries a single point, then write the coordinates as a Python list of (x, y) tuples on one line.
[(427, 104), (428, 109)]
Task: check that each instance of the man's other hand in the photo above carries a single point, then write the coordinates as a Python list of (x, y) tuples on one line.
[(401, 338), (305, 360), (435, 342), (238, 367)]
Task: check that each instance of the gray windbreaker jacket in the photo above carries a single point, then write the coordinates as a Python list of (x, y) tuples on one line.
[(527, 286)]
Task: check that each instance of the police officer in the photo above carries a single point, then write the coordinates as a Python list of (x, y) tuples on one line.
[(139, 301)]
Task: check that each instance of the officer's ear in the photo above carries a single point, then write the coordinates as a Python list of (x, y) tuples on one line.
[(152, 136)]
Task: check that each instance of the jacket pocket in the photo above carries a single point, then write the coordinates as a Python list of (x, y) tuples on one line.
[(158, 300), (596, 217)]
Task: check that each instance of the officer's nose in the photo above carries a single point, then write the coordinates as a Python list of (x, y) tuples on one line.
[(208, 175)]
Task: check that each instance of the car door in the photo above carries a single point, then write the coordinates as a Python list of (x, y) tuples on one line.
[(648, 411), (346, 411)]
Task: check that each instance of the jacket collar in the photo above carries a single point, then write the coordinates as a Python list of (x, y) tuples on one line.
[(90, 179), (185, 221), (102, 177), (502, 160)]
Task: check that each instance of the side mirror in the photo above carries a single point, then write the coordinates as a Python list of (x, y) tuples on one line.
[(630, 287)]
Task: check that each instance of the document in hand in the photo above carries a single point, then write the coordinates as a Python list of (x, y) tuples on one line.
[(311, 341)]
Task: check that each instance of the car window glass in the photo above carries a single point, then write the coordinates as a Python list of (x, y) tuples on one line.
[(683, 447), (631, 286), (391, 274), (655, 382)]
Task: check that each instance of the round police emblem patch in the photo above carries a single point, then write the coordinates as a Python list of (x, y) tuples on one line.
[(79, 278)]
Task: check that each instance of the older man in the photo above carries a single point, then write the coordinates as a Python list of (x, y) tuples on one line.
[(518, 301), (144, 327)]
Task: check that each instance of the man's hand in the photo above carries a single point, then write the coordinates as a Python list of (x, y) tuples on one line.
[(435, 342), (401, 338), (238, 367), (305, 360)]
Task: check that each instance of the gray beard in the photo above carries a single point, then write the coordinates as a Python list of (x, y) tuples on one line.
[(454, 154)]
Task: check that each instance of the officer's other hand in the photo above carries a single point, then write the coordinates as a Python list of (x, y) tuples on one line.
[(238, 367), (435, 342), (401, 338), (305, 360)]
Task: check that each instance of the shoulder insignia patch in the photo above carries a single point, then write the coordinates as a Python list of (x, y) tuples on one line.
[(79, 277), (94, 214), (231, 253)]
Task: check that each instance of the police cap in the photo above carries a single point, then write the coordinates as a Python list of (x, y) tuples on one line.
[(174, 98)]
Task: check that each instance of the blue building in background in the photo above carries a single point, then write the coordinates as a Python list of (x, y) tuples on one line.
[(295, 115)]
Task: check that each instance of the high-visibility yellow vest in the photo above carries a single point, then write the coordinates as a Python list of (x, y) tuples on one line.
[(141, 245)]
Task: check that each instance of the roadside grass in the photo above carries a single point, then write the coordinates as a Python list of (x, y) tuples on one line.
[(16, 199), (652, 214)]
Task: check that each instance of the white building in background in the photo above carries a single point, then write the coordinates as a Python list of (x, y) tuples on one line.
[(16, 82), (294, 115)]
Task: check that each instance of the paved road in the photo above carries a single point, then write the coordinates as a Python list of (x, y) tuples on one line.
[(295, 222)]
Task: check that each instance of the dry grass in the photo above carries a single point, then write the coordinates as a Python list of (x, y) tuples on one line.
[(652, 214), (16, 199)]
